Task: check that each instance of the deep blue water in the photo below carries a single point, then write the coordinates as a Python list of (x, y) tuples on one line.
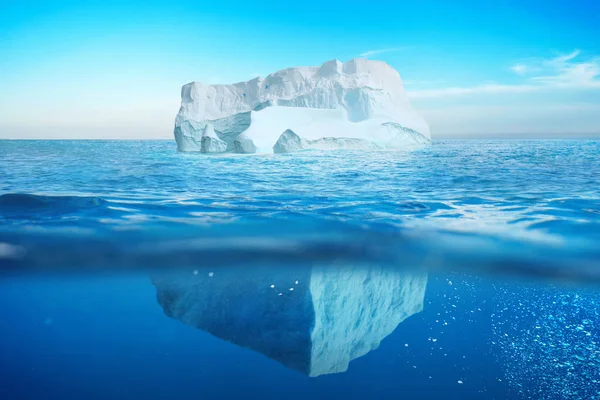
[(463, 270)]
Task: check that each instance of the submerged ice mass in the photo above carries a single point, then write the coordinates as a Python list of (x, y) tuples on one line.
[(360, 104), (313, 320)]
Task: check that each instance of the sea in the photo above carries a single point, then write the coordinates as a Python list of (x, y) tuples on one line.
[(466, 269)]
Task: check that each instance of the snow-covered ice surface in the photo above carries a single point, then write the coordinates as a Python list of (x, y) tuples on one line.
[(314, 320), (361, 101)]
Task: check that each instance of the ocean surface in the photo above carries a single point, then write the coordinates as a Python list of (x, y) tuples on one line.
[(460, 270)]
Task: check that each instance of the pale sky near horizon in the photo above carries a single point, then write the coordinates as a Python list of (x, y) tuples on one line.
[(86, 69)]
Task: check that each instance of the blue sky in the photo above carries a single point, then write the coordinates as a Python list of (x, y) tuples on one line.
[(107, 69)]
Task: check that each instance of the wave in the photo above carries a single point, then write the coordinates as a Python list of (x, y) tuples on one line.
[(28, 205)]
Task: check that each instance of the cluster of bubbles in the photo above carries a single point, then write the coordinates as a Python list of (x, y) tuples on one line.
[(549, 341)]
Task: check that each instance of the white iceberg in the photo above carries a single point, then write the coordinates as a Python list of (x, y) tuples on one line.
[(290, 142), (210, 142), (313, 320), (359, 104)]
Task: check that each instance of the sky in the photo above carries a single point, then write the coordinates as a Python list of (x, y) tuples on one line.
[(114, 69)]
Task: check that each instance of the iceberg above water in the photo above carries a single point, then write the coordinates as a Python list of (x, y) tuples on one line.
[(210, 142), (360, 104), (313, 320)]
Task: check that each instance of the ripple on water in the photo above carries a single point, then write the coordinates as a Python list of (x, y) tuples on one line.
[(533, 193)]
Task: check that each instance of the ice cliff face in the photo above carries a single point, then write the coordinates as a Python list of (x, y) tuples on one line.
[(361, 101), (312, 320)]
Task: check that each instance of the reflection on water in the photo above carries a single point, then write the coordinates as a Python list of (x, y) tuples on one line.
[(313, 320)]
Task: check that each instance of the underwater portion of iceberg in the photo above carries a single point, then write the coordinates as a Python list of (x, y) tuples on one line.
[(360, 101), (313, 320)]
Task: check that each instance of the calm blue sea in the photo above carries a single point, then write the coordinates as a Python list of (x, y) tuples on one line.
[(462, 270)]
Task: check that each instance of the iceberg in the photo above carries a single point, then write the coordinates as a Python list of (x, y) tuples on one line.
[(289, 142), (210, 142), (359, 104), (313, 320)]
